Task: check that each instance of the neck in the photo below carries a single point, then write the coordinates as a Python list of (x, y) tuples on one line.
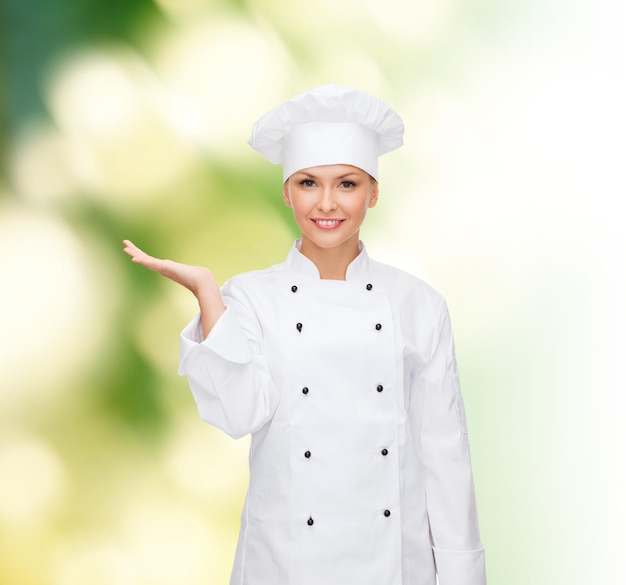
[(332, 263)]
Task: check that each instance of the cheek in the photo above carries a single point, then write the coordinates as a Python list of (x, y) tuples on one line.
[(296, 205), (299, 210), (362, 205), (302, 202)]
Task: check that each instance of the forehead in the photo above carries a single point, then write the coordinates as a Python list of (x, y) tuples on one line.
[(331, 171)]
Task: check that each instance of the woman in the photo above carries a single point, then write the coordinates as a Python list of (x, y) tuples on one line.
[(343, 370)]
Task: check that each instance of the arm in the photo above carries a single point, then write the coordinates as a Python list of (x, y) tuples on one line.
[(220, 351), (197, 279), (227, 372), (451, 504)]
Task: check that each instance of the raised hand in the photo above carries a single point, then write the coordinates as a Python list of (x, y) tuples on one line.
[(191, 277), (199, 280)]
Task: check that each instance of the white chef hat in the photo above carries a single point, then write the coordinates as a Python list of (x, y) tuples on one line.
[(327, 125)]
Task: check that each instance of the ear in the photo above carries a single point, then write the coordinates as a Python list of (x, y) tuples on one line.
[(286, 196), (373, 195)]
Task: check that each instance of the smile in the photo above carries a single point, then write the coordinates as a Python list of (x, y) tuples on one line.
[(327, 224)]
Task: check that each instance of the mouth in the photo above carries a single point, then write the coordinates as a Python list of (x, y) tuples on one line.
[(327, 224)]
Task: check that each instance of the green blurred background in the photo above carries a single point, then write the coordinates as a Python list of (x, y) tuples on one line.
[(129, 119)]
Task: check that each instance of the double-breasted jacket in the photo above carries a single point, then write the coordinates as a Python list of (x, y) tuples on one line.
[(360, 467)]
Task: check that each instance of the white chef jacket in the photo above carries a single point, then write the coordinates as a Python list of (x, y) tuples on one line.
[(360, 467)]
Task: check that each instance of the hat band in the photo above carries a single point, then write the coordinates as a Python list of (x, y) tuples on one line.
[(330, 143)]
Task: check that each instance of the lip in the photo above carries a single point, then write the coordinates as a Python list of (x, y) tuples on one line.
[(326, 223)]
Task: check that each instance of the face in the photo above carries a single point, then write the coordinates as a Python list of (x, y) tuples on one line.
[(329, 204)]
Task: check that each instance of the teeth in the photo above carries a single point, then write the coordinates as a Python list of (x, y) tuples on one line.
[(327, 222)]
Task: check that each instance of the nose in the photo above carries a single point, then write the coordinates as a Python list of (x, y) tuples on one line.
[(326, 201)]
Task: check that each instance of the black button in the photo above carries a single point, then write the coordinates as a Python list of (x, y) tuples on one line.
[(379, 388), (310, 521), (385, 452), (305, 390), (387, 513), (294, 288), (369, 287), (378, 326), (307, 454), (299, 326)]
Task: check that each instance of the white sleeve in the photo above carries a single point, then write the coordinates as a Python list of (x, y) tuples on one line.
[(229, 378), (450, 500)]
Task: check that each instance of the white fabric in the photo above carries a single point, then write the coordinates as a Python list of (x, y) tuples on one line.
[(347, 144), (248, 377), (370, 129)]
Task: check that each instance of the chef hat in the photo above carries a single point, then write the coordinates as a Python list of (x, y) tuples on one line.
[(327, 125)]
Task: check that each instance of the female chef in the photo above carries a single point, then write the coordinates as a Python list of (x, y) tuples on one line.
[(342, 369)]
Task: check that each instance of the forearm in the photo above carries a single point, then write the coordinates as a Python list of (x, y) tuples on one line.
[(211, 304)]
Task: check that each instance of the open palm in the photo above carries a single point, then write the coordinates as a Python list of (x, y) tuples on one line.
[(191, 277)]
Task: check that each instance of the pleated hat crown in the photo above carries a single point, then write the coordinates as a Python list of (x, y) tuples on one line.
[(329, 124)]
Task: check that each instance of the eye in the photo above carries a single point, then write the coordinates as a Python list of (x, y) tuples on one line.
[(347, 184), (307, 183)]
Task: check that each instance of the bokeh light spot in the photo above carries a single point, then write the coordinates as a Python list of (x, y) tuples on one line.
[(40, 165), (33, 481), (126, 136), (51, 313), (229, 70)]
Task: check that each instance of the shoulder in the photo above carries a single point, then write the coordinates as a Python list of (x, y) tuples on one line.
[(246, 282), (400, 283), (420, 309)]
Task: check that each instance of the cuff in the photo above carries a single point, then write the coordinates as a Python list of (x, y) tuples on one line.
[(227, 339), (465, 567)]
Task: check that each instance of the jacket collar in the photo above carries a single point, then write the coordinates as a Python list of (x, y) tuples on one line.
[(302, 265)]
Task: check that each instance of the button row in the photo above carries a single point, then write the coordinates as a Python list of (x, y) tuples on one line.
[(294, 288), (379, 388), (378, 327), (384, 453), (310, 521)]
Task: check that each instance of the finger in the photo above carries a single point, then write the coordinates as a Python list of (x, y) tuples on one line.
[(137, 254), (131, 249), (129, 245)]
